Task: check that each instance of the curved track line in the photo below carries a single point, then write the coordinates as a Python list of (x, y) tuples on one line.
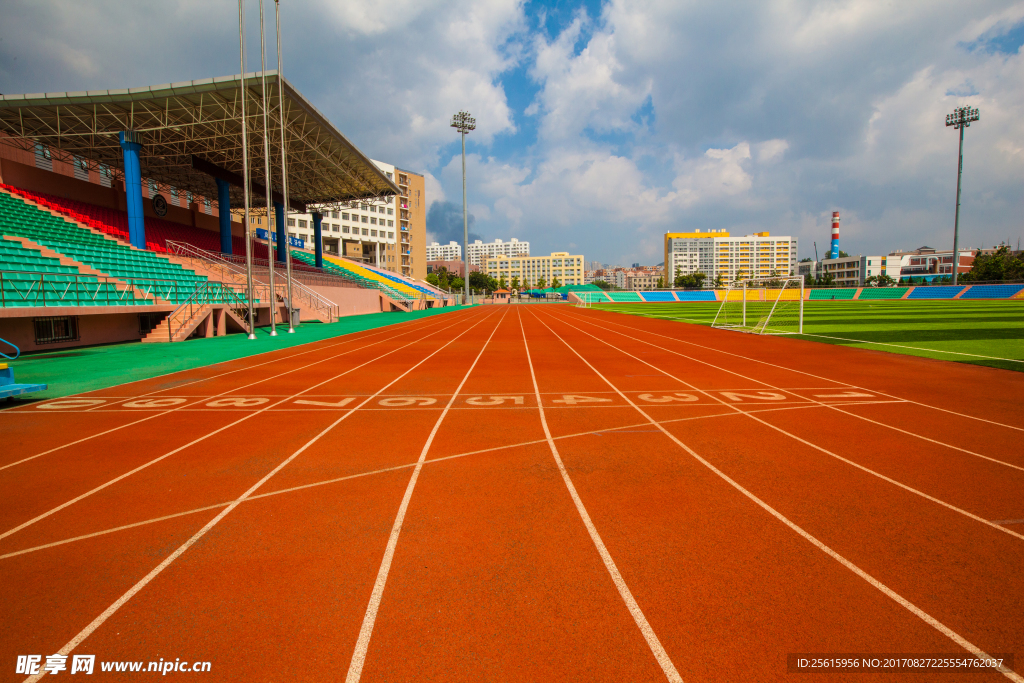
[(131, 592), (166, 412), (209, 434), (872, 472), (827, 405), (811, 374), (664, 661), (888, 592), (355, 668)]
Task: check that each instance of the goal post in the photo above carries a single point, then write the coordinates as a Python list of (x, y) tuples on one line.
[(768, 305)]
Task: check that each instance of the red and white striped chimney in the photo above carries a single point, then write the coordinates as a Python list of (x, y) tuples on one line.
[(835, 235)]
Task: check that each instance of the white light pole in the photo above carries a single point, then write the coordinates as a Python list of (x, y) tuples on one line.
[(271, 256), (464, 123), (245, 171), (284, 162), (960, 118)]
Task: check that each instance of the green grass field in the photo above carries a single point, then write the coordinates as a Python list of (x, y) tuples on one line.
[(987, 333)]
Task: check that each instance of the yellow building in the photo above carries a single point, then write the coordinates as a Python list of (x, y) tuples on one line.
[(716, 253), (568, 268)]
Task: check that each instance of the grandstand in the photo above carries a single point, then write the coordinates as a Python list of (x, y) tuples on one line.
[(71, 245)]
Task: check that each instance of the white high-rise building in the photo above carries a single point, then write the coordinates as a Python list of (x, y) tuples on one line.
[(444, 252), (480, 251), (717, 253)]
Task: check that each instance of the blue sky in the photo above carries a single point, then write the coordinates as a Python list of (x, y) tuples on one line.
[(602, 125)]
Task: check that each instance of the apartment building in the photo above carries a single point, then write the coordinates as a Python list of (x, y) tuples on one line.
[(389, 233), (923, 262), (568, 268), (444, 252), (480, 251), (716, 252)]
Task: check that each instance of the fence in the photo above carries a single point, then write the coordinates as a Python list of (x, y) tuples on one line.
[(20, 288)]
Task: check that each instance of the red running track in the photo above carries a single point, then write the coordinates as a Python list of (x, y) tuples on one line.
[(520, 493)]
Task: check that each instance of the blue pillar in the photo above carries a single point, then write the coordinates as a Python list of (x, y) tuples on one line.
[(318, 239), (224, 210), (131, 145), (282, 239)]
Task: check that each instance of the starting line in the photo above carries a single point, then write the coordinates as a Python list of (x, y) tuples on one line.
[(659, 398)]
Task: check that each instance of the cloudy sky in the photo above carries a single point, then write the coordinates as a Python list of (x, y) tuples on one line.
[(601, 125)]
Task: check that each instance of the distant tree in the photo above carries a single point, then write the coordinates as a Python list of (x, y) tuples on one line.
[(456, 283), (774, 283), (541, 283), (555, 284), (806, 260), (719, 281), (515, 283), (601, 284), (482, 282), (501, 281), (432, 279), (661, 283), (999, 266), (825, 280), (691, 281), (808, 280)]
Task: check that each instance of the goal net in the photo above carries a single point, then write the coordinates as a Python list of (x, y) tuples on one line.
[(771, 305)]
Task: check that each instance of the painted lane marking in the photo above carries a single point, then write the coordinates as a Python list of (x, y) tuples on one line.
[(759, 396), (816, 447), (664, 661), (826, 405), (234, 402), (230, 372), (677, 397), (848, 394), (800, 372), (494, 400), (906, 604), (206, 436), (71, 404), (340, 404), (401, 402), (573, 399), (355, 668), (154, 403), (626, 429), (110, 611)]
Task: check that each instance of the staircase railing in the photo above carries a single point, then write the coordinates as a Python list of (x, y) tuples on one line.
[(227, 266), (206, 294), (17, 351)]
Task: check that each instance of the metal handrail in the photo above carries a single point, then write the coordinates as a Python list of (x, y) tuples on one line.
[(220, 263), (205, 294), (17, 351), (77, 284)]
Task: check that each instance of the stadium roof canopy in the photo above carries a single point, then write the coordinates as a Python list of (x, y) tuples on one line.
[(191, 132)]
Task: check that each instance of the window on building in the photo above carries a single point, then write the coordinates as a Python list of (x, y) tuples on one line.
[(302, 223), (391, 235), (391, 211), (334, 228), (373, 220), (344, 229), (365, 219), (344, 216), (334, 214), (364, 207), (365, 231), (391, 224), (54, 330), (291, 223)]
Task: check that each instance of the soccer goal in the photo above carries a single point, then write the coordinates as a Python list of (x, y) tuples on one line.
[(770, 305)]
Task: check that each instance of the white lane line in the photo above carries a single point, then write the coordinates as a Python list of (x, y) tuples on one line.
[(811, 374), (888, 592), (831, 406), (188, 405), (913, 348), (355, 667), (428, 461), (890, 480), (664, 661), (381, 330), (205, 436), (110, 611)]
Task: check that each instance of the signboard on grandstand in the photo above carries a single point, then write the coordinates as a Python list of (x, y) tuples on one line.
[(159, 205), (298, 244)]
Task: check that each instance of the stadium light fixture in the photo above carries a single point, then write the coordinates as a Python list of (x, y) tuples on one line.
[(246, 228), (961, 118), (464, 123)]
